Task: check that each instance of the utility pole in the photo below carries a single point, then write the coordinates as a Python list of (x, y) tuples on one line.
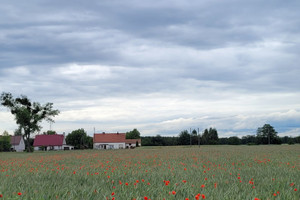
[(198, 138), (269, 135), (190, 136)]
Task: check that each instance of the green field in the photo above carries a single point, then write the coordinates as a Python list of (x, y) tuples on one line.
[(210, 172)]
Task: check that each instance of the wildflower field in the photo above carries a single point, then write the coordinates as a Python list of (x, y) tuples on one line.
[(208, 172)]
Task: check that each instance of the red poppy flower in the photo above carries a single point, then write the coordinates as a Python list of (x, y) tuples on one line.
[(1, 195), (19, 193), (295, 189), (173, 192)]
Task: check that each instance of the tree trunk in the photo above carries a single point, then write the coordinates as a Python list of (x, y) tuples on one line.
[(26, 138)]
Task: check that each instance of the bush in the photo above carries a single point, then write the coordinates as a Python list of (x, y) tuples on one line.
[(5, 143)]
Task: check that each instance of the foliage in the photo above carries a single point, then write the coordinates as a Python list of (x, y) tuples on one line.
[(134, 134), (210, 136), (49, 132), (218, 172), (18, 131), (159, 141), (5, 143), (184, 138), (79, 139), (28, 115), (5, 133), (234, 140), (267, 135)]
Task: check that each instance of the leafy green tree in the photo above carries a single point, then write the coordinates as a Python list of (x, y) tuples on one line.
[(184, 138), (194, 137), (213, 136), (28, 115), (79, 139), (18, 131), (249, 139), (5, 133), (5, 143), (134, 134), (205, 137), (234, 140), (267, 135), (49, 132)]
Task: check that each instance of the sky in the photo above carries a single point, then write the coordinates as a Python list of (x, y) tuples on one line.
[(161, 67)]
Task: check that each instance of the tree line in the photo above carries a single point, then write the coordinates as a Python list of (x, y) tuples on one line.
[(264, 135)]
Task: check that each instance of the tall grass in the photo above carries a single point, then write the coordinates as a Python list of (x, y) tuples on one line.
[(216, 172)]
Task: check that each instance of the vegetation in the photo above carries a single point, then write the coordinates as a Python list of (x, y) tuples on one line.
[(28, 115), (5, 143), (210, 172), (134, 134), (79, 139)]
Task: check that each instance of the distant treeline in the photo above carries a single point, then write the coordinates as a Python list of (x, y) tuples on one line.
[(264, 135), (246, 140)]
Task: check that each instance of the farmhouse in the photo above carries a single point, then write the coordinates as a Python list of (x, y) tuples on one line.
[(17, 143), (51, 142), (114, 141)]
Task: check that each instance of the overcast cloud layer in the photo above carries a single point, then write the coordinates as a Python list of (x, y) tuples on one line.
[(160, 67)]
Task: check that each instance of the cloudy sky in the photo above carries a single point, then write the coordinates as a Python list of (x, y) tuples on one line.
[(158, 66)]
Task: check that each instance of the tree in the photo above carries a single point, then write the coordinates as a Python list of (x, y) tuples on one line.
[(18, 131), (267, 135), (184, 138), (194, 137), (205, 137), (78, 139), (234, 140), (49, 132), (5, 143), (5, 133), (249, 139), (28, 115), (213, 136), (134, 134)]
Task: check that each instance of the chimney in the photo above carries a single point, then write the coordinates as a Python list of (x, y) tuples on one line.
[(103, 132)]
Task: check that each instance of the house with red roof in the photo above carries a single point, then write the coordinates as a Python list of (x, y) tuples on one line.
[(17, 143), (51, 142), (114, 141)]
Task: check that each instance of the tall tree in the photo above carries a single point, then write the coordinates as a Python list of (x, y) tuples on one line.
[(205, 137), (267, 135), (184, 138), (78, 139), (5, 133), (134, 134), (28, 115), (5, 143), (213, 136)]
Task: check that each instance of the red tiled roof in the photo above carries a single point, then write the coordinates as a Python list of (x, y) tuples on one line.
[(109, 137), (15, 140), (48, 140)]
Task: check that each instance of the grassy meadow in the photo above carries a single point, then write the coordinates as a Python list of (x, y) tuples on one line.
[(208, 172)]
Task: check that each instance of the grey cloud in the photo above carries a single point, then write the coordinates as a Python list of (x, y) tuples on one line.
[(204, 55)]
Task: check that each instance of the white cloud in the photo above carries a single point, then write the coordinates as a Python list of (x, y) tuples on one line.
[(83, 72)]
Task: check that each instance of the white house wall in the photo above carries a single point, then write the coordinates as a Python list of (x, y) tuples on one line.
[(109, 145), (20, 147)]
